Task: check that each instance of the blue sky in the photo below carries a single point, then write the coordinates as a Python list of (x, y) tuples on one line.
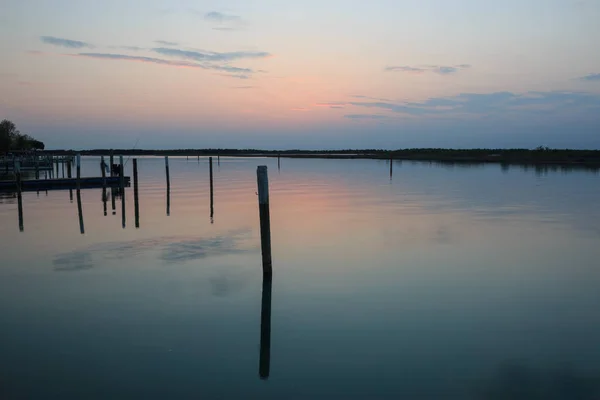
[(311, 74)]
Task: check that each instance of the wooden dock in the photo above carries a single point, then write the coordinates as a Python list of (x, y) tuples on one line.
[(63, 183)]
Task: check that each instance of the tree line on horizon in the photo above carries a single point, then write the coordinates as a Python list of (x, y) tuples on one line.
[(11, 139)]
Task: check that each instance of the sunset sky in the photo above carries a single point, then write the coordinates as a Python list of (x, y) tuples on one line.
[(307, 74)]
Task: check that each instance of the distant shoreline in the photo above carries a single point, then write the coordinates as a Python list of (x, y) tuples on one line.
[(540, 156)]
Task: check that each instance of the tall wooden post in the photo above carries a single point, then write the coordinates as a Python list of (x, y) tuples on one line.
[(136, 203), (265, 223), (210, 168), (122, 186), (17, 170), (112, 162), (103, 171), (78, 166), (391, 167)]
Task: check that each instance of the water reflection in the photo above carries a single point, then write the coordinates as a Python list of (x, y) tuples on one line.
[(264, 367), (170, 249), (518, 381), (80, 212), (20, 210)]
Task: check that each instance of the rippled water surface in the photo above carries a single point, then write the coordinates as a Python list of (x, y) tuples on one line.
[(465, 282)]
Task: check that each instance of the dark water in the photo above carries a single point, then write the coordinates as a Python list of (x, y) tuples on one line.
[(443, 283)]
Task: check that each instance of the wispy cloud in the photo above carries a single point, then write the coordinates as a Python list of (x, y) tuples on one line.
[(71, 44), (498, 103), (331, 105), (299, 109), (591, 78), (210, 55), (243, 87), (166, 43), (239, 76), (152, 60), (366, 116), (421, 69), (215, 16), (406, 68), (225, 22), (130, 48)]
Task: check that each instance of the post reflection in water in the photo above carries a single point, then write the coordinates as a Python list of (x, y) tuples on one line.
[(168, 200), (123, 219), (136, 203), (80, 212), (265, 327), (20, 206), (113, 196), (104, 200)]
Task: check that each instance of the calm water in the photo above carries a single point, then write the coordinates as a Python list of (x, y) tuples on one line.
[(442, 283)]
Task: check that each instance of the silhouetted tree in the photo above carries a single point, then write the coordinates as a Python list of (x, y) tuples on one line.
[(12, 139)]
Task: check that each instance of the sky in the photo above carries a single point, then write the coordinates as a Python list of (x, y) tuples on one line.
[(327, 74)]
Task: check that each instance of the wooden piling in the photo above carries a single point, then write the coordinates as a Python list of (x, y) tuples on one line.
[(219, 160), (391, 167), (17, 169), (70, 175), (37, 167), (136, 203), (210, 169), (103, 171), (112, 162), (265, 223), (62, 168), (167, 175), (122, 187), (264, 365), (279, 162), (121, 174), (78, 171)]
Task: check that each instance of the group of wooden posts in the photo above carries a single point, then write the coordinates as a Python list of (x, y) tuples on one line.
[(265, 228)]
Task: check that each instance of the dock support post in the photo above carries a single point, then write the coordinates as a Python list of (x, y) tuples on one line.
[(122, 186), (391, 167), (103, 171), (19, 196), (78, 171), (168, 178), (219, 160), (279, 162), (265, 222), (210, 169), (265, 328), (112, 162), (136, 203)]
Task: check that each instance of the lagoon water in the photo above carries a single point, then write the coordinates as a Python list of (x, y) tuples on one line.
[(464, 282)]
